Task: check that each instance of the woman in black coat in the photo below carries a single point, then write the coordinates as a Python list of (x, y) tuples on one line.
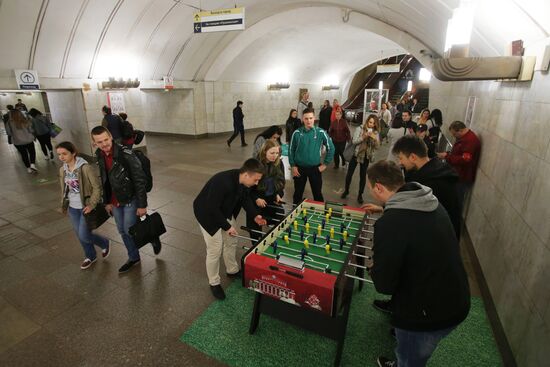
[(324, 115), (292, 124)]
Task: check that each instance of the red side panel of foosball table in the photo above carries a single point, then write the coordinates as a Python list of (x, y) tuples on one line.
[(314, 291)]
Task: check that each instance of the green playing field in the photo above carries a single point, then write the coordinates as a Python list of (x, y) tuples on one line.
[(316, 234)]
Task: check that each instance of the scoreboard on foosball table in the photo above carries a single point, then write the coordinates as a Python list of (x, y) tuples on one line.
[(309, 261)]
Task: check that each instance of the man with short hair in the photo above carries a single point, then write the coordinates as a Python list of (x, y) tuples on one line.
[(20, 105), (419, 266), (303, 104), (400, 128), (113, 123), (216, 207), (124, 189), (304, 156), (464, 157), (414, 107), (238, 124)]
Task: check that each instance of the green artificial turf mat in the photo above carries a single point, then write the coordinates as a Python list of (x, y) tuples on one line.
[(221, 332)]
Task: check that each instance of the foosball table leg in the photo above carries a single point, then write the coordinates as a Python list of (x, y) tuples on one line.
[(343, 324), (255, 314)]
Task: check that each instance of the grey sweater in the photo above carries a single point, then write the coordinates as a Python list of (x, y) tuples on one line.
[(21, 136)]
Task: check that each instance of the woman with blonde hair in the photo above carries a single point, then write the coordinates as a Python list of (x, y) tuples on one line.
[(20, 130), (366, 139), (269, 192)]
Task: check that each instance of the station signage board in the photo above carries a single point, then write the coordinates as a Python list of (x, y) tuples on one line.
[(221, 20), (27, 79)]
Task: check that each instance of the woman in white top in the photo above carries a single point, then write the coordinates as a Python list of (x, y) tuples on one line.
[(366, 139)]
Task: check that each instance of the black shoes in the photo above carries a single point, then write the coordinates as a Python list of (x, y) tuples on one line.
[(234, 275), (382, 305), (228, 143), (360, 199), (386, 362), (157, 246), (217, 291), (124, 268), (344, 194)]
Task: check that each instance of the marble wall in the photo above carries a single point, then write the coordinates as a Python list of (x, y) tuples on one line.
[(509, 213), (67, 111)]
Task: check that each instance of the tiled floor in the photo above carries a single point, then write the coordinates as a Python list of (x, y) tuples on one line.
[(54, 314)]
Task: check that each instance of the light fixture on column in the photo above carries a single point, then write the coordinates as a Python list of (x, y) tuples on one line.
[(331, 87), (380, 85), (278, 86), (409, 86)]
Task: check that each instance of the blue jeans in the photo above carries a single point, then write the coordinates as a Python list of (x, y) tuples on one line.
[(125, 217), (414, 348), (85, 236)]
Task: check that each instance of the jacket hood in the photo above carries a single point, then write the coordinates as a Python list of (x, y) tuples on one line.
[(434, 169), (79, 163), (413, 196)]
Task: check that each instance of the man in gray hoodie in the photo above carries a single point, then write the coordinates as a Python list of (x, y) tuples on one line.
[(417, 261)]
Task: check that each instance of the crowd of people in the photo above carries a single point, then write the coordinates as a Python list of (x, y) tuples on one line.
[(419, 189)]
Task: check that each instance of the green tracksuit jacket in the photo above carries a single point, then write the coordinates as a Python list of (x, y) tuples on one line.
[(305, 147)]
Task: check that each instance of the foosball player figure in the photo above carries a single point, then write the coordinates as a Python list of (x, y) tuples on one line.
[(306, 243), (331, 232), (307, 227), (303, 254), (274, 247), (319, 229), (315, 238), (342, 227), (296, 225), (286, 239), (323, 222), (342, 243), (289, 230), (345, 235), (301, 234), (328, 238), (327, 248)]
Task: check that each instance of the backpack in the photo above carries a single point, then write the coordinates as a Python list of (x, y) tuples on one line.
[(126, 129), (146, 165)]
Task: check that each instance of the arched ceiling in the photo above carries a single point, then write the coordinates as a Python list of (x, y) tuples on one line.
[(152, 38)]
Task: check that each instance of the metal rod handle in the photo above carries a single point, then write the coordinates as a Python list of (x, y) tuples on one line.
[(358, 278)]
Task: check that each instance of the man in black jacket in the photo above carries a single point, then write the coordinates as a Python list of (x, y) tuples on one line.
[(124, 193), (419, 265), (238, 124), (216, 207)]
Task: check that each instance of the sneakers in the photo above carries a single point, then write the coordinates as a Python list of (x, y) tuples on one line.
[(87, 263), (234, 275), (228, 143), (386, 362), (382, 305), (29, 170), (106, 251), (360, 199), (124, 268), (47, 158), (33, 167), (51, 155), (217, 291), (344, 194), (157, 246)]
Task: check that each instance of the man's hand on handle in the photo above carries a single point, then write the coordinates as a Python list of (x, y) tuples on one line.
[(232, 231), (261, 203), (260, 220), (372, 208)]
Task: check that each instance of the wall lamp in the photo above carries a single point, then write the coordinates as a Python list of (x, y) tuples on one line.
[(331, 87), (120, 83), (278, 86)]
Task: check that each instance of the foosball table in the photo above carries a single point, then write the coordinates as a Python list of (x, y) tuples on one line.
[(303, 269)]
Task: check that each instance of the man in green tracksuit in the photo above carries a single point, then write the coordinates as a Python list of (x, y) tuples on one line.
[(305, 157)]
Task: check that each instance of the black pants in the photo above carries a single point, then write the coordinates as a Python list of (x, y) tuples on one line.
[(315, 181), (28, 154), (272, 214), (237, 130), (339, 153), (45, 143), (362, 174)]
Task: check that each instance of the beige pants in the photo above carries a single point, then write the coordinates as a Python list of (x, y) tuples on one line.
[(215, 245)]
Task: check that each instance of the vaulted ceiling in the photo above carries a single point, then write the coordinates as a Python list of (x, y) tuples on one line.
[(301, 40)]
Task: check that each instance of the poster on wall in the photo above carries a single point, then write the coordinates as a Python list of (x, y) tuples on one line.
[(115, 100), (470, 110)]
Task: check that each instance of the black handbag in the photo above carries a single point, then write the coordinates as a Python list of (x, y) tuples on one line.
[(147, 230), (96, 217)]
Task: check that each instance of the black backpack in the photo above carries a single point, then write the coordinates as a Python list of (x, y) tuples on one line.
[(126, 129), (146, 165)]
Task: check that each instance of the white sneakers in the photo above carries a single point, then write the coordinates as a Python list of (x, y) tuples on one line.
[(33, 167), (29, 170)]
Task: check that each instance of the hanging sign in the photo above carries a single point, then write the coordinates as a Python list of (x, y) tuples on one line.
[(221, 20), (168, 82), (27, 79), (388, 68)]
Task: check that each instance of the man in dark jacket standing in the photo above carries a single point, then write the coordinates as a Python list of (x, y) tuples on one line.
[(238, 124), (124, 189), (464, 157), (113, 123), (216, 207), (419, 265)]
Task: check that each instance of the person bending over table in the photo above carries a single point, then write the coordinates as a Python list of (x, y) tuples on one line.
[(216, 207), (419, 266)]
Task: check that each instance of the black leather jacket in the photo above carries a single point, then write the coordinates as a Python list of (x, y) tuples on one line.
[(126, 178)]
